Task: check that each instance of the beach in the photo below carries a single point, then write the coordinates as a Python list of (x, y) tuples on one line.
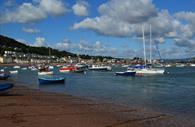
[(24, 107)]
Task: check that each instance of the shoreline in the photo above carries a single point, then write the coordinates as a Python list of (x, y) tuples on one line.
[(24, 106)]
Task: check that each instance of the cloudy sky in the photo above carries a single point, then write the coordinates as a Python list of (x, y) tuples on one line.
[(103, 27)]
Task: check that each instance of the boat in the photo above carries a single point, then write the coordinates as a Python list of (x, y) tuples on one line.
[(80, 70), (44, 70), (81, 66), (147, 68), (192, 65), (100, 68), (67, 69), (126, 73), (4, 76), (51, 67), (34, 69), (168, 65), (5, 87), (180, 65), (2, 70), (14, 72), (24, 68), (16, 67), (51, 80), (45, 73)]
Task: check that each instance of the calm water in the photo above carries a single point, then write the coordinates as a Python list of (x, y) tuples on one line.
[(170, 93)]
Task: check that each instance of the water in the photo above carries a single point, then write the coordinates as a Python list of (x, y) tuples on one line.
[(172, 93)]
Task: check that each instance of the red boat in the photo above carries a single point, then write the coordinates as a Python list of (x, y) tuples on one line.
[(68, 69)]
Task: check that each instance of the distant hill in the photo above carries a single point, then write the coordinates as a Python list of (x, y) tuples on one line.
[(9, 44)]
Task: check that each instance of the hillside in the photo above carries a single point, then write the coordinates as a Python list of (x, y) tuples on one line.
[(9, 44)]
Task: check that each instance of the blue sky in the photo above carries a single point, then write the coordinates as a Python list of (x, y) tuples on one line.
[(102, 27)]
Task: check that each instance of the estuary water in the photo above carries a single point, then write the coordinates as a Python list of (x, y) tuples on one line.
[(172, 93)]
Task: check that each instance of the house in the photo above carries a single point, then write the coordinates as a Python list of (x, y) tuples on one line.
[(4, 59)]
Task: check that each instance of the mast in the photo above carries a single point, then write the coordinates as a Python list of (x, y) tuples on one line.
[(144, 45), (49, 51), (150, 45)]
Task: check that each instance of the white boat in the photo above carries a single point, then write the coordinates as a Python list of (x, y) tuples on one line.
[(147, 69), (192, 65), (150, 71), (24, 68), (100, 67), (45, 73), (2, 70), (13, 72), (125, 66), (16, 67), (51, 67), (167, 65), (180, 65)]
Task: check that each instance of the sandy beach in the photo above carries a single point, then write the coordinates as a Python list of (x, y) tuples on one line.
[(24, 107)]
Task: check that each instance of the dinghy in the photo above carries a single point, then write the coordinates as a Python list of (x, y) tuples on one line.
[(4, 76), (51, 80), (45, 73), (13, 72)]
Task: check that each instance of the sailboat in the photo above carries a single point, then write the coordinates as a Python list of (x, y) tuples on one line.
[(147, 69)]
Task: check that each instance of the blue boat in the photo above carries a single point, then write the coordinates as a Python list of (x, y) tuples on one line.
[(51, 80), (4, 76), (4, 87), (126, 73)]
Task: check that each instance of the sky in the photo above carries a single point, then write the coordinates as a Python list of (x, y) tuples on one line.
[(103, 27)]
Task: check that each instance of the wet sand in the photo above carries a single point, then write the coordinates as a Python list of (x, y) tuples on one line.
[(24, 107)]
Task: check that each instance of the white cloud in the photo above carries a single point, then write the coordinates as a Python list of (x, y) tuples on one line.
[(32, 12), (39, 42), (124, 19), (66, 44), (132, 11), (81, 8), (54, 7), (30, 30)]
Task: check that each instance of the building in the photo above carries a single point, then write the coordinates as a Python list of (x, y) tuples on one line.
[(4, 59)]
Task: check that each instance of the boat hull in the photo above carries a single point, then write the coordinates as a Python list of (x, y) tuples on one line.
[(51, 81), (5, 87), (150, 71), (4, 76), (45, 73), (125, 73)]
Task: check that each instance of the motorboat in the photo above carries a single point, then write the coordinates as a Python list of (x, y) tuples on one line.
[(67, 69), (14, 72), (100, 67)]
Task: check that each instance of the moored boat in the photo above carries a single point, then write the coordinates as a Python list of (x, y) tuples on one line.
[(67, 69), (45, 73), (192, 65), (4, 76), (51, 80), (14, 72), (126, 73), (100, 68), (5, 87), (16, 67)]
